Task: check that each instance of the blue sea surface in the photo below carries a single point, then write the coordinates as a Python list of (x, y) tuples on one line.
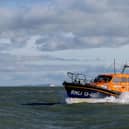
[(45, 108)]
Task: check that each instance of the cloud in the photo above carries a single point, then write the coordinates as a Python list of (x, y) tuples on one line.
[(23, 69), (62, 41), (25, 72), (64, 25), (38, 44)]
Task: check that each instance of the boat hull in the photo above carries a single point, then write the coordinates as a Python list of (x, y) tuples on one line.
[(87, 91)]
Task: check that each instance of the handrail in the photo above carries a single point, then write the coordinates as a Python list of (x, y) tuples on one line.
[(125, 66), (77, 77)]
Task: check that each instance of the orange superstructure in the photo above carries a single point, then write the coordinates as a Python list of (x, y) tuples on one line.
[(115, 82)]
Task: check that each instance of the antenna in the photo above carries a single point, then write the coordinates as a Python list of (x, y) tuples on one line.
[(114, 66)]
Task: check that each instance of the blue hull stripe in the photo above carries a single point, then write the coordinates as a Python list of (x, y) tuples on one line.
[(93, 89)]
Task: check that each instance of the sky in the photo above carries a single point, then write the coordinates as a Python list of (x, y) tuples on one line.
[(41, 40)]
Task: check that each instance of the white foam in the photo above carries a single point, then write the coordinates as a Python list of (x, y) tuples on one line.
[(81, 100), (122, 99)]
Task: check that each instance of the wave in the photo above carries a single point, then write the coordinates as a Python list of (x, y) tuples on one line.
[(122, 99)]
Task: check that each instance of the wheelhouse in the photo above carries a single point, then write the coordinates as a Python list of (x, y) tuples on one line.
[(117, 82)]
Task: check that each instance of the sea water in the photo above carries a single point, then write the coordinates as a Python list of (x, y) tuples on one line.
[(45, 108)]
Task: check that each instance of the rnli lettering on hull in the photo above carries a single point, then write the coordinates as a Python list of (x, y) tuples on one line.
[(86, 94), (74, 92)]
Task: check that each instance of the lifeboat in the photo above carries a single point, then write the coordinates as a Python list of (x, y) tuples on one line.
[(104, 85)]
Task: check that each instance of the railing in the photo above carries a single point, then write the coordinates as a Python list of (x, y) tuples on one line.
[(77, 77)]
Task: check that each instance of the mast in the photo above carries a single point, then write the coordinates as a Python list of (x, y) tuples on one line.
[(114, 66)]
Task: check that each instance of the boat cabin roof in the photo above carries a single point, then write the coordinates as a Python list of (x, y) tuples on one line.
[(116, 75)]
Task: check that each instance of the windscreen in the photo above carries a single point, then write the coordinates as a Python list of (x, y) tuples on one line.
[(103, 78)]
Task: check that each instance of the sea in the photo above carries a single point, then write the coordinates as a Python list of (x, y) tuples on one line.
[(49, 108)]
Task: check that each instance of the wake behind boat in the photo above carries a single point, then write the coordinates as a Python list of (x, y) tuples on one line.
[(104, 85)]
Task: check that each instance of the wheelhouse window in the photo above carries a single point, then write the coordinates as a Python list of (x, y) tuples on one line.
[(103, 78), (123, 79), (118, 79)]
